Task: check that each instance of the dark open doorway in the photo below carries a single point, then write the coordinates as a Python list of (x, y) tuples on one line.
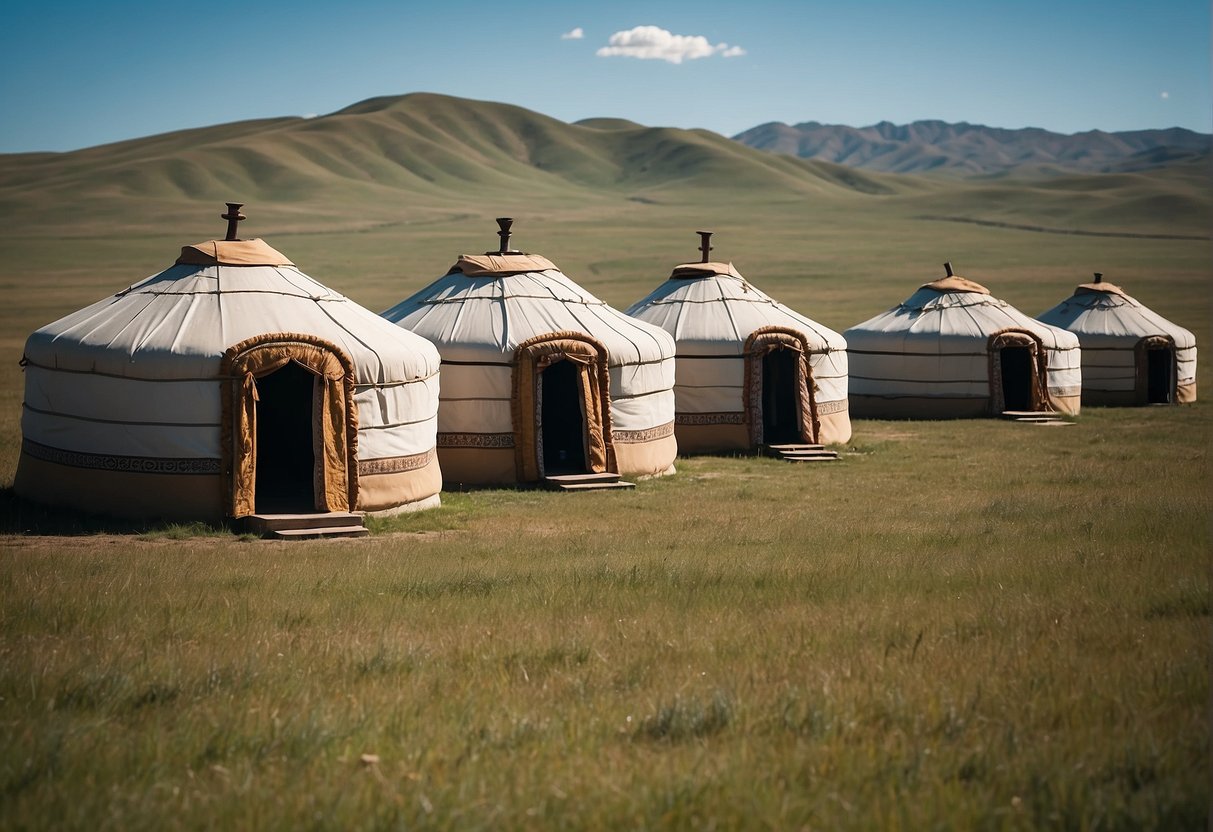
[(285, 457), (780, 381), (563, 424), (1016, 365), (1160, 376)]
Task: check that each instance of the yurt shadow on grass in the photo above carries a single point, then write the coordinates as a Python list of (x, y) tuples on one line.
[(1131, 355), (229, 385), (750, 371), (541, 379), (22, 516), (952, 350)]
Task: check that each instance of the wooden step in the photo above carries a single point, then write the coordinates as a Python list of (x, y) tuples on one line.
[(799, 452), (1034, 417), (265, 523), (594, 486), (558, 480), (317, 532)]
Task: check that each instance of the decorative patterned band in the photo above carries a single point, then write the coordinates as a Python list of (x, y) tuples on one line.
[(394, 464), (823, 409), (475, 440), (128, 464), (731, 418), (631, 437), (826, 408)]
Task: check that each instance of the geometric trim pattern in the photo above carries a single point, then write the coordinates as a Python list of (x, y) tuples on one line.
[(112, 462), (1065, 391), (475, 440), (394, 464), (838, 406), (730, 418), (628, 437)]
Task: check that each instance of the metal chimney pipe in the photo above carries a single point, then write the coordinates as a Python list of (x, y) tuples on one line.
[(705, 244), (233, 217), (504, 224), (1099, 277), (948, 268)]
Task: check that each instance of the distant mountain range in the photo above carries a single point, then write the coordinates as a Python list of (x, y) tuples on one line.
[(973, 149)]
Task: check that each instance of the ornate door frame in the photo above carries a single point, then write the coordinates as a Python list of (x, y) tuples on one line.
[(531, 358), (334, 418), (765, 340), (1018, 338)]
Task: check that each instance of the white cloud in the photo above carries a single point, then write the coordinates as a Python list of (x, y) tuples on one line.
[(655, 43), (1164, 94), (577, 33)]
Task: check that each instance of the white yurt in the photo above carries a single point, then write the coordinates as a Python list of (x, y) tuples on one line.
[(229, 384), (952, 350), (539, 377), (1131, 355), (750, 371)]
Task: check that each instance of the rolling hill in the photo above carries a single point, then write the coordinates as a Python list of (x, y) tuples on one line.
[(422, 157), (383, 157), (973, 149)]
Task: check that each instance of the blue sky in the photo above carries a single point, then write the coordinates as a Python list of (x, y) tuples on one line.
[(80, 74)]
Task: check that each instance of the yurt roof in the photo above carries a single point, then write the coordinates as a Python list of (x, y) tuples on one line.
[(485, 306), (690, 271), (709, 307), (177, 324), (232, 253), (959, 314), (500, 264), (1102, 310), (956, 283), (1098, 285), (952, 282)]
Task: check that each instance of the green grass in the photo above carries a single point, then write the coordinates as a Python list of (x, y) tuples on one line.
[(961, 625)]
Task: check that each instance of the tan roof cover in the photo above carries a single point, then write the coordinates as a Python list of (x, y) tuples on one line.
[(482, 265), (955, 283), (689, 270), (1106, 288), (232, 253)]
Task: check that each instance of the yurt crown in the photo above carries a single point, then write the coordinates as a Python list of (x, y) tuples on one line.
[(705, 244), (947, 267), (504, 224), (1099, 277), (233, 217)]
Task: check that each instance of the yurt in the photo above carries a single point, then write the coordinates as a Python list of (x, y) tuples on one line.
[(750, 371), (539, 377), (953, 350), (229, 384), (1131, 355)]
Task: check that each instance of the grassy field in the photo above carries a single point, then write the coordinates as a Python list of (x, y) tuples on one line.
[(961, 625), (971, 625)]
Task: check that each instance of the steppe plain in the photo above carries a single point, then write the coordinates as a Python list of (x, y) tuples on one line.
[(970, 624)]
